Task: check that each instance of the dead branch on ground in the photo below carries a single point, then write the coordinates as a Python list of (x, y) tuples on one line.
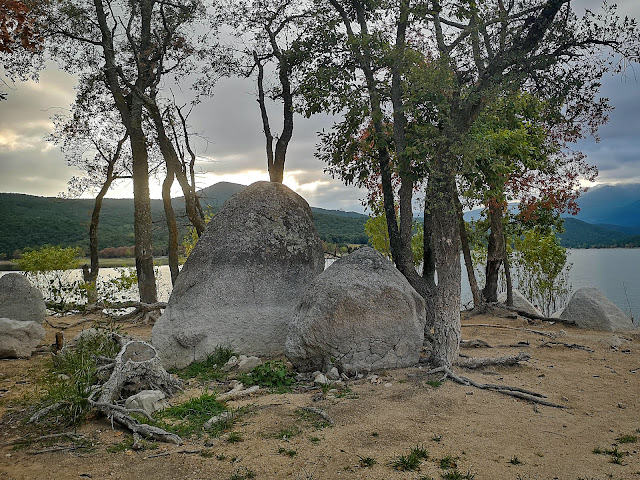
[(568, 345), (528, 330), (474, 362)]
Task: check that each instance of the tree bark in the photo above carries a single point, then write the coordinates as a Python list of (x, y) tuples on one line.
[(171, 225), (446, 234), (495, 251)]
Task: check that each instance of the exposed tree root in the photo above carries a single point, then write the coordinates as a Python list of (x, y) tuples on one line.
[(568, 345), (237, 392), (528, 330), (534, 316), (475, 362), (504, 389), (35, 418), (474, 344)]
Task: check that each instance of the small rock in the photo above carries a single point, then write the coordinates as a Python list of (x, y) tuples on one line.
[(565, 399), (63, 377), (232, 362), (373, 379), (561, 333), (388, 385), (321, 380), (622, 405), (246, 364), (316, 373), (333, 374), (148, 400)]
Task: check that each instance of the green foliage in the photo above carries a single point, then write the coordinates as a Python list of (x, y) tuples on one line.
[(49, 258), (367, 462), (448, 462), (243, 474), (515, 460), (235, 437), (287, 452), (272, 374), (434, 383), (127, 444), (457, 475), (208, 369), (542, 269), (627, 439), (187, 418), (287, 433), (70, 378)]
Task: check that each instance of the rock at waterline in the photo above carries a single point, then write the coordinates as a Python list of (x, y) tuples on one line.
[(18, 339), (242, 282), (19, 300), (590, 308), (360, 314), (520, 302)]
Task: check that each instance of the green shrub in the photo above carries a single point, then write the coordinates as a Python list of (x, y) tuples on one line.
[(272, 374)]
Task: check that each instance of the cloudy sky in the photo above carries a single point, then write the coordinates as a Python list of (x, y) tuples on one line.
[(235, 149)]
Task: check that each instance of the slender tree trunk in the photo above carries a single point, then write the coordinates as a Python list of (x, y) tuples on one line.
[(429, 266), (495, 252), (171, 225), (264, 115), (468, 262), (173, 162), (507, 274), (142, 207), (276, 174)]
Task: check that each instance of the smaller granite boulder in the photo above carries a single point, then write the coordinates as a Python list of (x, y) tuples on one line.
[(19, 300), (590, 308), (360, 314), (18, 339), (520, 302), (148, 400)]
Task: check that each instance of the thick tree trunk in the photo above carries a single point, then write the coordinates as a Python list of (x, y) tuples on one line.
[(507, 274), (171, 225), (429, 267), (446, 234), (142, 207), (495, 252)]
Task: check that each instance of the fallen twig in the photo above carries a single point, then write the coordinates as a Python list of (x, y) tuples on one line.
[(528, 330), (535, 316), (43, 411), (568, 345), (28, 440), (237, 392), (474, 344), (504, 389)]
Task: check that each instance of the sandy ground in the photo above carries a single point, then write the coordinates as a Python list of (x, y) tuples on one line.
[(483, 430)]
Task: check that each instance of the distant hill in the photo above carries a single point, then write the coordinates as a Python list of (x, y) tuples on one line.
[(611, 205), (28, 221)]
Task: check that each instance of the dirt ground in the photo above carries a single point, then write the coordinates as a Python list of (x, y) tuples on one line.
[(487, 433)]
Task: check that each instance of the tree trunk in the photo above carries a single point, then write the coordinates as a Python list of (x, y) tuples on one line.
[(495, 252), (142, 207), (171, 225), (507, 274), (468, 262), (429, 267), (276, 173), (446, 234)]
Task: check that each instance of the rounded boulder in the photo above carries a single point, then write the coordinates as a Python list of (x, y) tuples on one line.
[(360, 314)]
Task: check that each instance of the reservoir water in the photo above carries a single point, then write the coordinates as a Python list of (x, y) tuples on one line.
[(615, 271)]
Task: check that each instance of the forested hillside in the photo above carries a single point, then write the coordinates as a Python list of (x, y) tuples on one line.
[(27, 221)]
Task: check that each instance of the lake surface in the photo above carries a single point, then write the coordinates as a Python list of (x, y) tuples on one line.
[(615, 271)]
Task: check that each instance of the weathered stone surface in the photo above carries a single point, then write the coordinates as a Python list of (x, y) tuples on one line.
[(18, 339), (590, 308), (19, 300), (148, 400), (360, 314), (246, 364), (243, 280), (520, 302)]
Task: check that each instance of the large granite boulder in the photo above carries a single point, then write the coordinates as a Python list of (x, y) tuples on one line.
[(360, 314), (520, 302), (18, 339), (242, 282), (19, 300), (590, 308)]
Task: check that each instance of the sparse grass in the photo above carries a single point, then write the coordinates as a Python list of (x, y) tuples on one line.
[(598, 451), (289, 453), (627, 439), (434, 383), (425, 477), (243, 474), (206, 454), (436, 438), (287, 433), (314, 440), (273, 375), (410, 462), (347, 393), (455, 474), (127, 444), (313, 418), (448, 462), (188, 418), (235, 437), (68, 382), (615, 454), (515, 460), (367, 462), (208, 369)]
